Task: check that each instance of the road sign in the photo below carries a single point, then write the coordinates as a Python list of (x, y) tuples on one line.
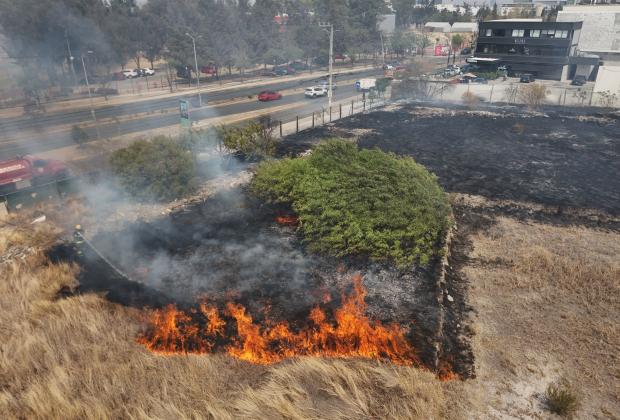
[(358, 85), (184, 111)]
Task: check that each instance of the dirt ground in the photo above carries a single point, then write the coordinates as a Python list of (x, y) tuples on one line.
[(545, 301)]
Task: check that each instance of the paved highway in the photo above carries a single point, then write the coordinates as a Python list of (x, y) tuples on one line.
[(31, 135)]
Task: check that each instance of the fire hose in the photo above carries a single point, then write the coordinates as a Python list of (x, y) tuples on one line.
[(77, 233)]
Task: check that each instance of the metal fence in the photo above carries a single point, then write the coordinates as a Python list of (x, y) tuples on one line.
[(291, 122), (513, 93)]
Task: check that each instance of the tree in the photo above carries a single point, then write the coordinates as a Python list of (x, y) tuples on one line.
[(345, 208), (78, 135), (423, 41), (159, 169), (401, 42), (457, 41), (382, 84), (255, 140)]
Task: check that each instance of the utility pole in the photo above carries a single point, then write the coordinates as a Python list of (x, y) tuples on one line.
[(331, 61), (90, 97), (197, 71), (382, 49)]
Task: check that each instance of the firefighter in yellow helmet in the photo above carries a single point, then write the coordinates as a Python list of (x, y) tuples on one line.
[(78, 238)]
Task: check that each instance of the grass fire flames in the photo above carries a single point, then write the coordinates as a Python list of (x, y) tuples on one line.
[(233, 330)]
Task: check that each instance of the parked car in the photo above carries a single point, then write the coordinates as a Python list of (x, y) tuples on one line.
[(448, 72), (283, 70), (130, 74), (579, 81), (269, 95), (315, 92), (147, 72), (467, 68), (321, 60), (209, 69), (299, 66), (466, 51), (184, 72), (526, 78)]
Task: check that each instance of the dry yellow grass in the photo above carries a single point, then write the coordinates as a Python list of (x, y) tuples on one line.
[(547, 302), (77, 358)]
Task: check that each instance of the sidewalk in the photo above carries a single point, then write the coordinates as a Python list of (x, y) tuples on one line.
[(99, 101)]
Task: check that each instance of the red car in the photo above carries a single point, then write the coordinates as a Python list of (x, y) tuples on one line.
[(269, 95)]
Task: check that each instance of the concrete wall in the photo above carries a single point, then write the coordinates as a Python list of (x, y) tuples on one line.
[(608, 79), (601, 26)]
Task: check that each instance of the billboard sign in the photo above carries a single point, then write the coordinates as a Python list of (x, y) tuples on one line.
[(184, 111)]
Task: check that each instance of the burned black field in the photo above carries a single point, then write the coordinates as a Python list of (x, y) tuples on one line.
[(557, 157)]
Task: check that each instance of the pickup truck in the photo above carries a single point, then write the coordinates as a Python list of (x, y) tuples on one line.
[(26, 171)]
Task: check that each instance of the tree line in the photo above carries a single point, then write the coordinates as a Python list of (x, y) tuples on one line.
[(43, 35)]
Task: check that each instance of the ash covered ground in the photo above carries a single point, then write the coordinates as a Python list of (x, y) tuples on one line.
[(561, 157), (230, 248)]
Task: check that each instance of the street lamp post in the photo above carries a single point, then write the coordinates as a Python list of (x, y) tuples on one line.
[(383, 49), (90, 96), (71, 58), (197, 72), (331, 60)]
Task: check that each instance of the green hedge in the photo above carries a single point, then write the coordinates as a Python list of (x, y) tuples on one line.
[(353, 202), (159, 169)]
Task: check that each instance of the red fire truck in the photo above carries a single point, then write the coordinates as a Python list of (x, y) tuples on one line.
[(26, 171)]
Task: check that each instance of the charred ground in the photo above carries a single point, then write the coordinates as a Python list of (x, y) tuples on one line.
[(556, 157)]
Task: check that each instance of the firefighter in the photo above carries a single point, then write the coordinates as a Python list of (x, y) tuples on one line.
[(78, 239)]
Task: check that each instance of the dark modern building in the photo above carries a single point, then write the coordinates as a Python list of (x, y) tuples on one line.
[(548, 50)]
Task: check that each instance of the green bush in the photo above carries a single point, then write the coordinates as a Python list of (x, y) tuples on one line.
[(253, 140), (354, 202), (78, 135), (561, 399), (159, 169)]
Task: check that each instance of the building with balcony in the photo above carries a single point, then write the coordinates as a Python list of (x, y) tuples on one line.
[(548, 50)]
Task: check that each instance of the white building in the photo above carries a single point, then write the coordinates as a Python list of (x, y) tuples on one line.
[(600, 33)]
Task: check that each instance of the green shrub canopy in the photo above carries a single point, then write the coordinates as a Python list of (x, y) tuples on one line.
[(159, 169), (353, 202)]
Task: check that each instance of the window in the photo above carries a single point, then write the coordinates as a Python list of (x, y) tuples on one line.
[(535, 33), (561, 34), (489, 32), (518, 32), (547, 33)]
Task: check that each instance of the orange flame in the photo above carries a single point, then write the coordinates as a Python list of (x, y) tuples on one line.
[(350, 334), (287, 220)]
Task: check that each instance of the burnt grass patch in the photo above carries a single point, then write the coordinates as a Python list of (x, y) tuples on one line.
[(230, 248), (559, 157)]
